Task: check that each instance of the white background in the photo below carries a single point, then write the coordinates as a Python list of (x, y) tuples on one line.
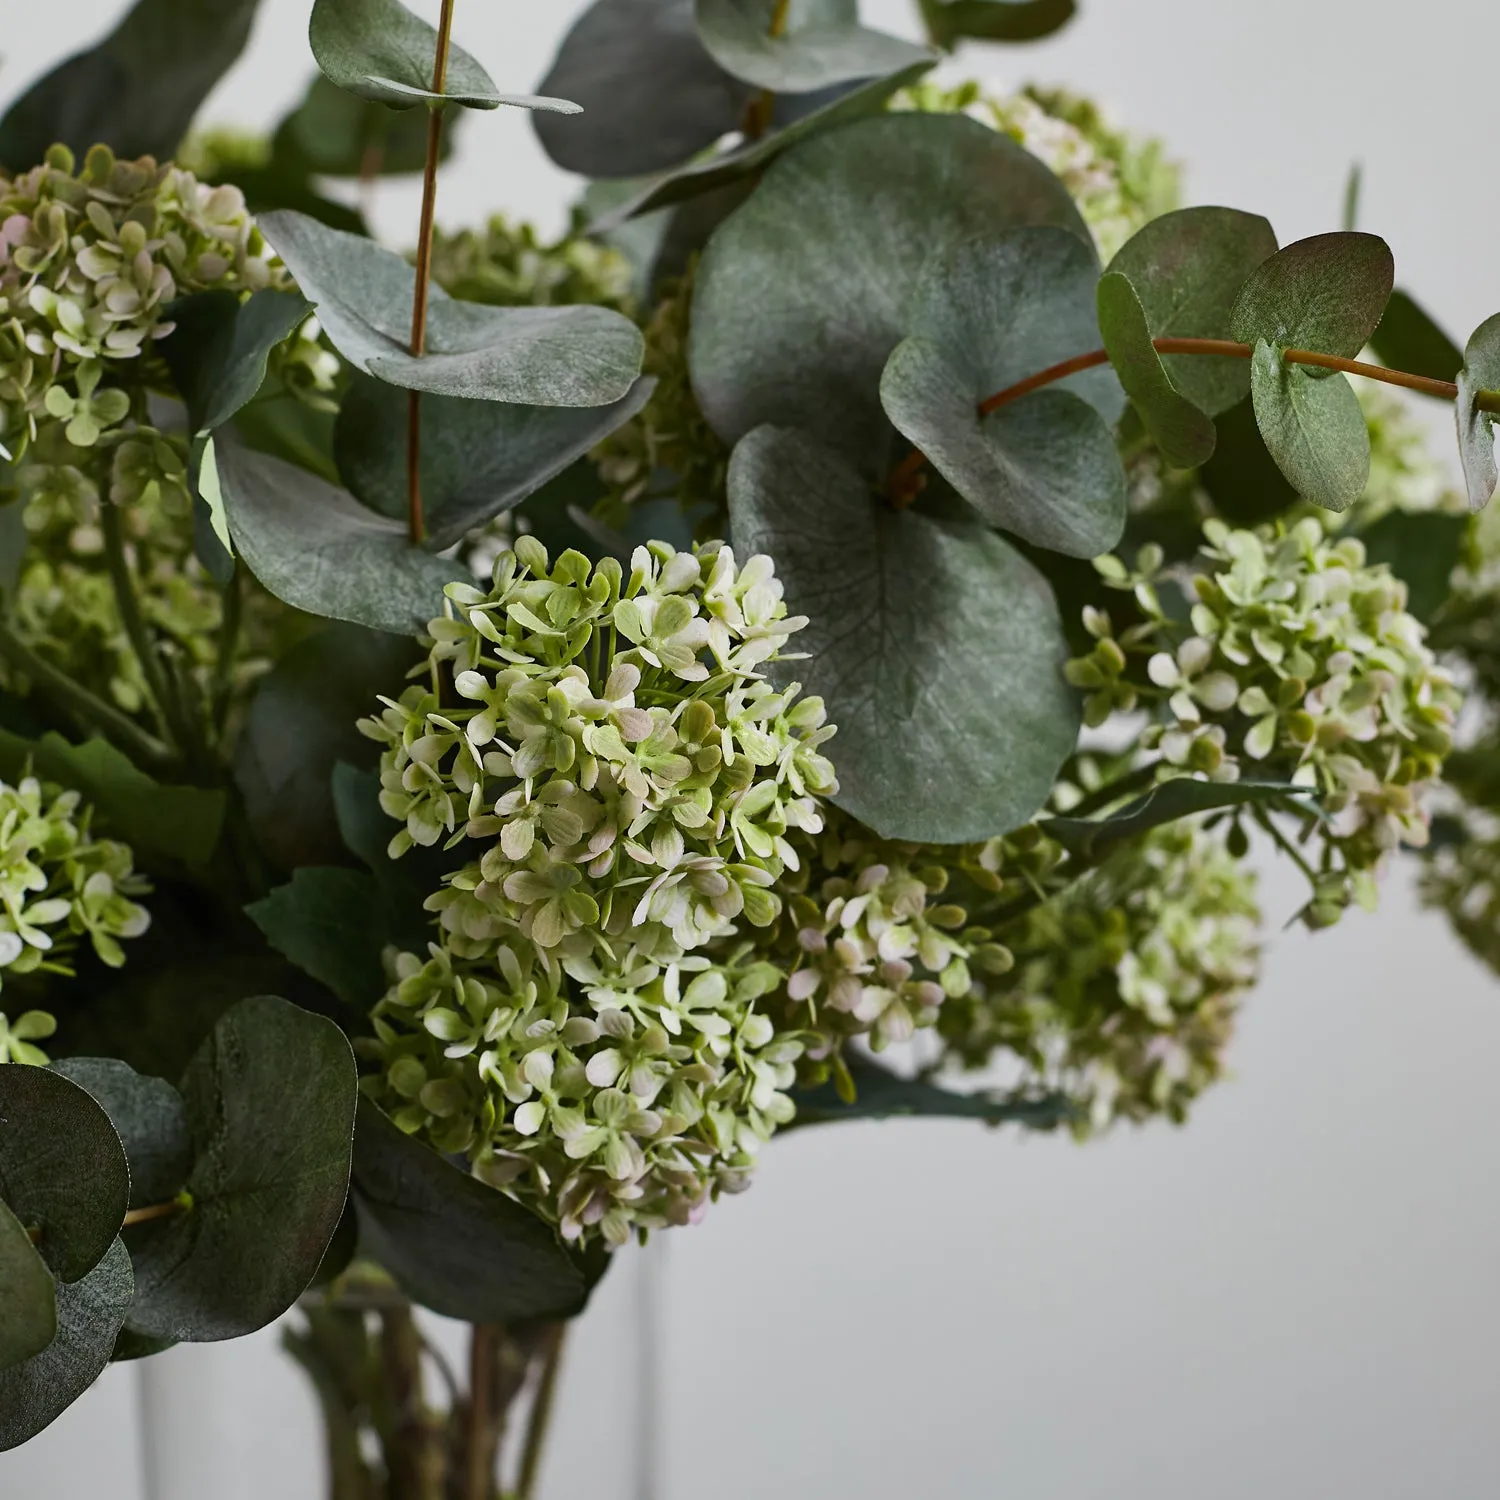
[(1295, 1296)]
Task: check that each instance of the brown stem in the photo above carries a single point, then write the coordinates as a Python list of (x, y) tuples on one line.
[(153, 1211), (758, 111), (541, 1413), (483, 1436)]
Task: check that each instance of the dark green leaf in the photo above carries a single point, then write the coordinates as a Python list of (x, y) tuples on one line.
[(218, 349), (89, 1317), (317, 548), (1241, 478), (270, 1102), (1476, 429), (334, 134), (1314, 429), (130, 1346), (171, 822), (150, 1118), (824, 44), (988, 314), (1422, 548), (805, 290), (461, 1248), (1410, 340), (1325, 293), (936, 646), (537, 356), (62, 1168), (14, 540), (327, 922), (950, 21), (1187, 269), (379, 50), (301, 723), (28, 1295), (1090, 838), (280, 425), (882, 1095), (479, 458), (1184, 434), (137, 90)]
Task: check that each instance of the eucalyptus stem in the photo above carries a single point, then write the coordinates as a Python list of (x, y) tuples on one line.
[(481, 1438), (416, 526), (540, 1417), (758, 112), (77, 700), (127, 601)]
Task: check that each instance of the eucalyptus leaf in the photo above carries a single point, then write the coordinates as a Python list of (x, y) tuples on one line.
[(1187, 269), (479, 458), (1183, 433), (805, 290), (137, 90), (327, 922), (270, 1102), (822, 44), (62, 1168), (150, 1118), (1476, 429), (219, 345), (379, 50), (316, 548), (883, 1095), (1314, 429), (936, 646), (1325, 293), (1091, 838), (90, 1314), (537, 356), (455, 1245), (1411, 340), (949, 22), (334, 134), (28, 1295), (988, 314)]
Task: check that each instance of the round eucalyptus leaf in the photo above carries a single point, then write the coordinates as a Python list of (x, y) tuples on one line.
[(455, 1245), (479, 458), (270, 1102), (1476, 429), (318, 549), (28, 1295), (538, 356), (1184, 434), (821, 44), (1314, 429), (62, 1168), (950, 21), (1187, 269), (936, 646), (151, 1119), (805, 290), (90, 1314), (1325, 293), (651, 94)]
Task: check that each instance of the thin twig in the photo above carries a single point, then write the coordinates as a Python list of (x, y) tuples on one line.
[(540, 1416), (485, 1340)]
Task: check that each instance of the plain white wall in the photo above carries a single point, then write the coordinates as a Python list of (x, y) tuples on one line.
[(1294, 1296)]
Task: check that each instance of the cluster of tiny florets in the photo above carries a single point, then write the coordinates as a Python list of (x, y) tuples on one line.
[(587, 1024)]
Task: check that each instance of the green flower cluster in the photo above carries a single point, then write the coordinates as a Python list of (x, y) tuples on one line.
[(1118, 183), (89, 261), (18, 1038), (1299, 661), (586, 1026), (1125, 985), (509, 265)]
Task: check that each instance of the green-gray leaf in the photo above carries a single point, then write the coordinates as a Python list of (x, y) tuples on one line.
[(883, 1095), (1476, 429), (379, 50), (1187, 269), (479, 458), (1411, 340), (950, 21), (1422, 548), (327, 922), (461, 1248), (90, 1314), (62, 1168), (150, 1118), (822, 45), (28, 1296), (988, 314), (537, 356), (318, 549), (1091, 838), (804, 291), (1184, 434), (137, 90), (1325, 293), (1314, 429), (936, 646), (270, 1101)]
